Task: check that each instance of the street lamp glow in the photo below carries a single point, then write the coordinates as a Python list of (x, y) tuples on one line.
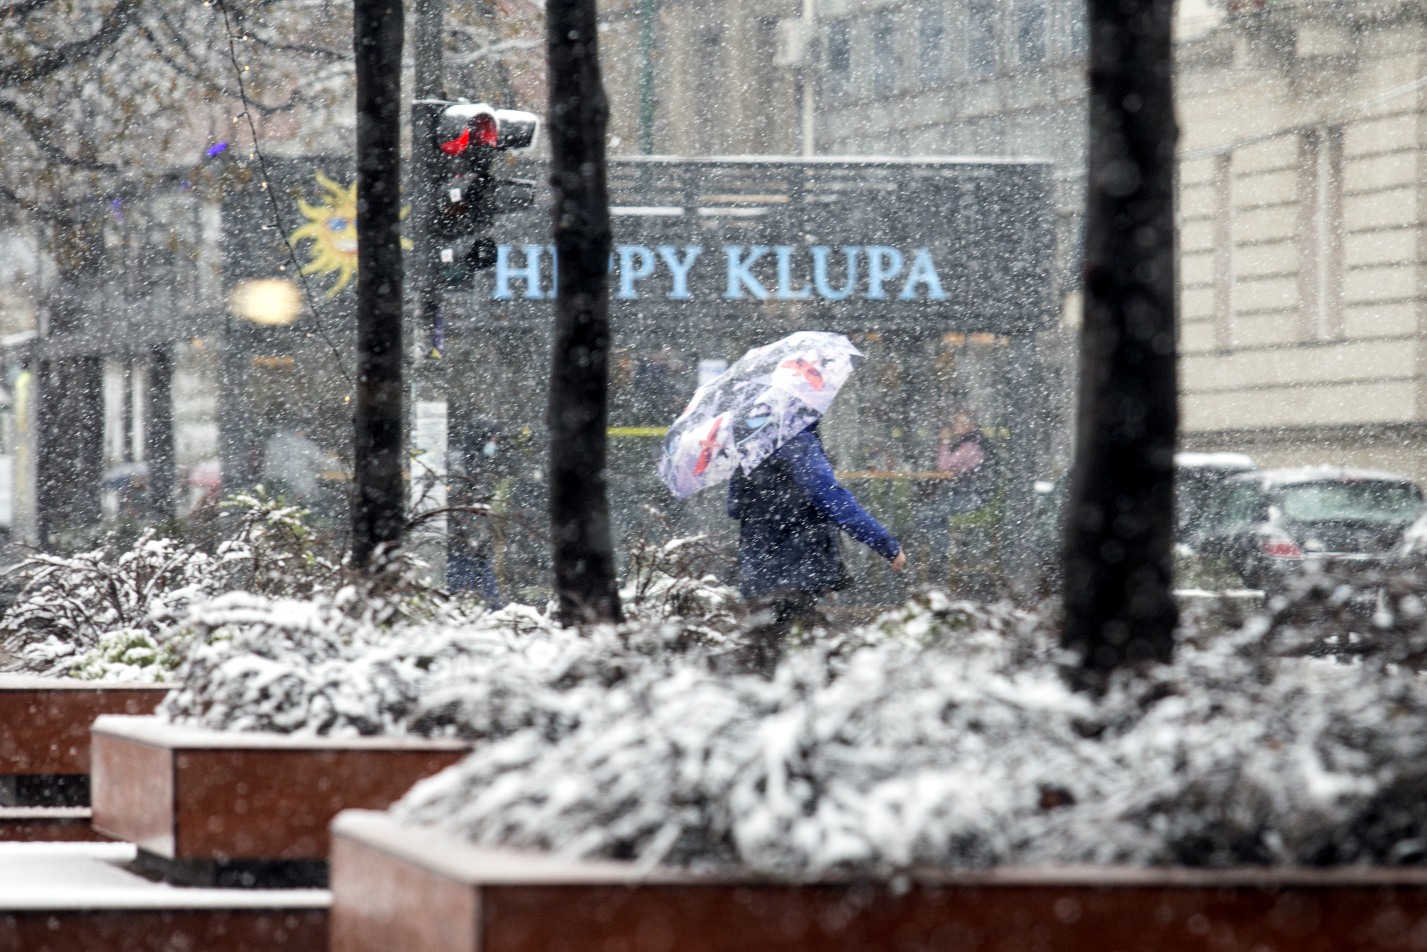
[(268, 301)]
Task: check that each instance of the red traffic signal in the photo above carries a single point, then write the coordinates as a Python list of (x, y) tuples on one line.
[(468, 127), (468, 195), (479, 128)]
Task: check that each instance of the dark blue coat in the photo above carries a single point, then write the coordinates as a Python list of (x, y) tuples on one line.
[(790, 509)]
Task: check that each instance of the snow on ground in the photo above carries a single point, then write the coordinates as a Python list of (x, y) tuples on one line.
[(88, 876)]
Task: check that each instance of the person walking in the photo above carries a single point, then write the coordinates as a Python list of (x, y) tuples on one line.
[(966, 463), (790, 509), (755, 425), (471, 540)]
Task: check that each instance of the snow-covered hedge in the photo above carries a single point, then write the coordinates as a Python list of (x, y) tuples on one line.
[(77, 611), (943, 734), (960, 751), (108, 613), (324, 665)]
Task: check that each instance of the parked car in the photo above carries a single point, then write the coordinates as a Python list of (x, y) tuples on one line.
[(1269, 524), (1413, 548), (1198, 482)]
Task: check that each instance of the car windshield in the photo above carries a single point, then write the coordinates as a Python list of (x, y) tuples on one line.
[(1197, 498), (1352, 501)]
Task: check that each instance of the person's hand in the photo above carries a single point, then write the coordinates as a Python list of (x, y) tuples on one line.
[(900, 562)]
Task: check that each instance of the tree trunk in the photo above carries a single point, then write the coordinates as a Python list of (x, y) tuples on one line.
[(69, 457), (158, 434), (70, 450), (1119, 602), (579, 381), (378, 505)]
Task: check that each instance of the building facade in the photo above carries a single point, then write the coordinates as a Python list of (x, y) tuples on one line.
[(1302, 208), (1303, 126), (871, 78), (975, 78)]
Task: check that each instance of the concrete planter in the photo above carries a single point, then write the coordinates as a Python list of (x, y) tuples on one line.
[(412, 888), (86, 897), (198, 802), (44, 747), (47, 825)]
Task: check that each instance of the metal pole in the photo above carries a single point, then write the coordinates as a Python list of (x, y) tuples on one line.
[(158, 433), (646, 77), (809, 79), (430, 85), (431, 371)]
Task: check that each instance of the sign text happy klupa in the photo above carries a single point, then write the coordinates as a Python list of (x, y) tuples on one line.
[(735, 272)]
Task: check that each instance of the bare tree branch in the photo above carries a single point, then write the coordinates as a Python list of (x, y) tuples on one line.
[(115, 24), (196, 72), (497, 50), (44, 211), (40, 134), (16, 10), (305, 49)]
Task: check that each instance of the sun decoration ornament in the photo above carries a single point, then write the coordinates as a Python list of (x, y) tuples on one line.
[(331, 229)]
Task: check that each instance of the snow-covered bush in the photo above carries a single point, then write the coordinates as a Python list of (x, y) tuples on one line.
[(127, 655), (117, 610), (1235, 754), (1008, 636), (71, 603), (673, 580), (1378, 615), (313, 667), (811, 770), (268, 547), (384, 654), (280, 664), (942, 733)]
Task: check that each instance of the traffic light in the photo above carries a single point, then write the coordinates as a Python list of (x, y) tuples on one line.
[(468, 137)]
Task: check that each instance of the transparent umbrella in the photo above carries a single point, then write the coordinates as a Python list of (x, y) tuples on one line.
[(769, 395)]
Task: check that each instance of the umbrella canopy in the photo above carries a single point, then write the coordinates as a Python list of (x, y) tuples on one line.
[(770, 395)]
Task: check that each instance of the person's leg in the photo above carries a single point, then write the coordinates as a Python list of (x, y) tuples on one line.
[(935, 529), (487, 584), (460, 571), (766, 632), (772, 618), (965, 545), (801, 609)]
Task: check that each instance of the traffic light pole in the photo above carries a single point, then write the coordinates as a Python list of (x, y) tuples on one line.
[(430, 389), (430, 86), (456, 194)]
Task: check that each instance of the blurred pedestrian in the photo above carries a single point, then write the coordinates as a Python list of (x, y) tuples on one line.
[(968, 481), (293, 465), (470, 550)]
